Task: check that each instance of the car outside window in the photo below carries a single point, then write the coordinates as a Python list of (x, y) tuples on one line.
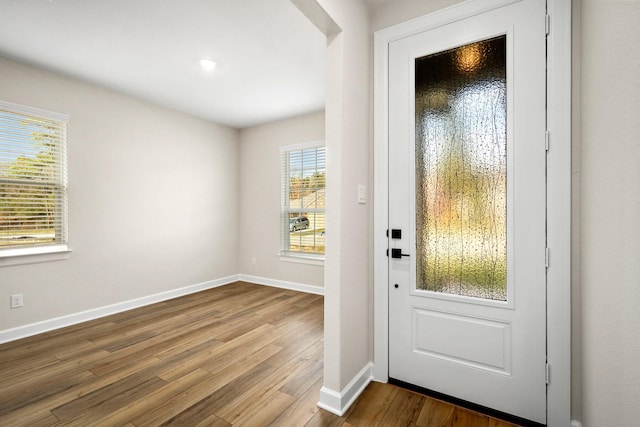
[(303, 185)]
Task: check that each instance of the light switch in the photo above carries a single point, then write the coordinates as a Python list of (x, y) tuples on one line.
[(362, 194)]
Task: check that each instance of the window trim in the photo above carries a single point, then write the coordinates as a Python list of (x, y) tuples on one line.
[(39, 252), (34, 254), (285, 255), (300, 258)]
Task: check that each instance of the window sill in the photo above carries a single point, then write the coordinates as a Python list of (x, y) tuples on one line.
[(19, 256), (302, 259)]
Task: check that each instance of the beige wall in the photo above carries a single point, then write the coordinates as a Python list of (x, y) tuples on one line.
[(394, 12), (258, 224), (610, 211), (152, 200), (348, 323), (576, 185)]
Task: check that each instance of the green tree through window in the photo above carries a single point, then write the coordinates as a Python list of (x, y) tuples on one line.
[(32, 177), (303, 175)]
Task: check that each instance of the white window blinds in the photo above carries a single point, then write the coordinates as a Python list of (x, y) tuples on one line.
[(33, 179), (303, 181)]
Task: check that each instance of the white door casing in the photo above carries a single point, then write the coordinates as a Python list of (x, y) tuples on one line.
[(482, 351)]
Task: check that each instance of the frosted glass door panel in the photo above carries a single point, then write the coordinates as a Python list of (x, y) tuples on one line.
[(461, 171)]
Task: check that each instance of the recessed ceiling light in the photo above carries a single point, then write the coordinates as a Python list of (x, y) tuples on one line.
[(207, 64)]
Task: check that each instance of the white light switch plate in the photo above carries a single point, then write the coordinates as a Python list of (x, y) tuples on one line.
[(362, 194)]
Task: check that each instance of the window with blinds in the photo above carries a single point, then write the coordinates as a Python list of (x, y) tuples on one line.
[(303, 183), (33, 179)]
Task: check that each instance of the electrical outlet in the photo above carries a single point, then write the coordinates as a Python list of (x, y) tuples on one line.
[(253, 260), (17, 301)]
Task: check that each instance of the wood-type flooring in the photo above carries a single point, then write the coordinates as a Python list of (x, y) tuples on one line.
[(240, 354)]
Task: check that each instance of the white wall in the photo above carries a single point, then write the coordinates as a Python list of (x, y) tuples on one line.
[(258, 223), (153, 200), (610, 212)]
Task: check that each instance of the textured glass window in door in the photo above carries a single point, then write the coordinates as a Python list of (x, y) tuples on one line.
[(461, 170)]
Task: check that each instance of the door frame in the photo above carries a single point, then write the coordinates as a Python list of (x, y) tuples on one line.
[(558, 191)]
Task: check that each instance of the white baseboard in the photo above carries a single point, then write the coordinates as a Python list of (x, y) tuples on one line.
[(339, 403), (84, 316), (575, 423), (310, 289)]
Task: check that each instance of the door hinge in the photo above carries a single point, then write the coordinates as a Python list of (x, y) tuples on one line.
[(547, 24), (546, 257), (547, 373), (546, 140)]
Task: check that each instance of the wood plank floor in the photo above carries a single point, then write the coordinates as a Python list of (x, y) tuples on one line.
[(240, 354)]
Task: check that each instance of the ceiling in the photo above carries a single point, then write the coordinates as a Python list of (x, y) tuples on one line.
[(270, 58)]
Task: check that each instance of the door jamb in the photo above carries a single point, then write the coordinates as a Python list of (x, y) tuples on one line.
[(558, 191)]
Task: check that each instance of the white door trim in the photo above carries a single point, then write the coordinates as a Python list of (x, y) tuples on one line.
[(558, 192)]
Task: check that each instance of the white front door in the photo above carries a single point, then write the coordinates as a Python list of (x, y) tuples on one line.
[(467, 285)]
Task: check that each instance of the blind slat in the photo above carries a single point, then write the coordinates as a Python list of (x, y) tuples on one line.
[(33, 200), (303, 180)]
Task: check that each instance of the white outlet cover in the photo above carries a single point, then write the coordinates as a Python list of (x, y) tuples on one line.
[(17, 301)]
